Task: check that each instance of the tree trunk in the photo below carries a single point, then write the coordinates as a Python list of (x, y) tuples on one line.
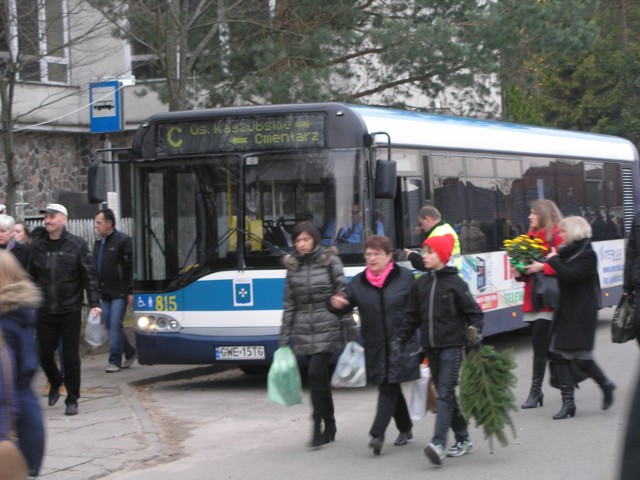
[(10, 186)]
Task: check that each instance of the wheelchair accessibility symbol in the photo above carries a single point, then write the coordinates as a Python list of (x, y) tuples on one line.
[(145, 303)]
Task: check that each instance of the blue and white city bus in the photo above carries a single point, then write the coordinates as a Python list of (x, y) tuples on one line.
[(216, 193)]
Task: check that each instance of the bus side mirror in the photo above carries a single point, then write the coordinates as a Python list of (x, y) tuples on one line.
[(385, 186), (96, 184)]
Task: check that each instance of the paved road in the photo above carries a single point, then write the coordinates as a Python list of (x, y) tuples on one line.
[(220, 426)]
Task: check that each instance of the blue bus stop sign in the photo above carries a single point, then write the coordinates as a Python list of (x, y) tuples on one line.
[(106, 107)]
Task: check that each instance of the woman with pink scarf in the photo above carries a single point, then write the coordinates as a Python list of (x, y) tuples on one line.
[(380, 292)]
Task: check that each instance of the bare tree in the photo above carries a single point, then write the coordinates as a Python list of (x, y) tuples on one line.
[(176, 35), (37, 40)]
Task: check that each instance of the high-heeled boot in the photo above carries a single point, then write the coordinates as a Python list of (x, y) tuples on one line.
[(535, 394), (330, 429), (565, 384), (592, 369), (317, 438)]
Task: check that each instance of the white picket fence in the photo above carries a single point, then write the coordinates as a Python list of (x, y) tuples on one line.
[(86, 228)]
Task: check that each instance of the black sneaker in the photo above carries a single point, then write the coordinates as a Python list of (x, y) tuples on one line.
[(72, 408), (54, 396)]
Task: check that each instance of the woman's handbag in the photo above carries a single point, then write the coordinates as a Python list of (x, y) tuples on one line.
[(284, 385), (622, 327), (13, 465), (419, 392), (95, 333), (350, 370), (545, 292)]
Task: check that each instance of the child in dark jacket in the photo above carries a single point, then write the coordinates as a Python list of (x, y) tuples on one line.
[(442, 307)]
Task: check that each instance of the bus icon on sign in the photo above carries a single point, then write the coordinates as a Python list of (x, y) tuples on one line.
[(104, 105), (243, 293)]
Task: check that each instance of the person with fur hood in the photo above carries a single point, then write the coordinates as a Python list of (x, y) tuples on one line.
[(314, 274), (19, 298)]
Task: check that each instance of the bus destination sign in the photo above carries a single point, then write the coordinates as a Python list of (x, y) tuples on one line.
[(247, 133)]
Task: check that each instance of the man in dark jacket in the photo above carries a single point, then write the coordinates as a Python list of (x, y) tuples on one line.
[(61, 265), (112, 253), (632, 269)]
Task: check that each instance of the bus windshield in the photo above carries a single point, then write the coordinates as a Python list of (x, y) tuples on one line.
[(191, 212)]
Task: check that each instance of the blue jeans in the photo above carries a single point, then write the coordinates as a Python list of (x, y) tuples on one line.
[(113, 317), (445, 370)]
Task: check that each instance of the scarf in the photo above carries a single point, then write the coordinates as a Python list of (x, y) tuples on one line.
[(378, 280)]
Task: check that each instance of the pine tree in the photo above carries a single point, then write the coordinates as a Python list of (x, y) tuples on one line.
[(486, 392)]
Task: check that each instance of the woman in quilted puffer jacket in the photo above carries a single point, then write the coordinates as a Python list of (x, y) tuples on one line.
[(314, 274)]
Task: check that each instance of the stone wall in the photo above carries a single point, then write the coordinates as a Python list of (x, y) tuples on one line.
[(52, 166)]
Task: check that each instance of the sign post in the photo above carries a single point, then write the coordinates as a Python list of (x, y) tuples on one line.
[(106, 107), (106, 116)]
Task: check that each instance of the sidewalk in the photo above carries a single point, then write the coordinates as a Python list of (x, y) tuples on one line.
[(113, 429)]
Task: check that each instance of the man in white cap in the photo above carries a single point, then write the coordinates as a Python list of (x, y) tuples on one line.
[(62, 266)]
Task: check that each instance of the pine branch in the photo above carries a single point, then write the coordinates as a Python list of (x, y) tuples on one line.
[(486, 392)]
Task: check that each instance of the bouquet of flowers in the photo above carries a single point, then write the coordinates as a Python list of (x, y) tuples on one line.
[(523, 250)]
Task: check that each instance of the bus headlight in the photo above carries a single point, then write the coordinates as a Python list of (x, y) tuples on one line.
[(157, 323), (143, 322)]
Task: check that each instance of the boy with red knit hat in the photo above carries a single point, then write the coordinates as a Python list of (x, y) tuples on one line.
[(442, 307)]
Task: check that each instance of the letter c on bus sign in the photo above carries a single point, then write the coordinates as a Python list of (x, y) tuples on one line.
[(174, 142)]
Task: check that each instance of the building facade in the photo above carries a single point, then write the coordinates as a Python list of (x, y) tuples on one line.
[(57, 49)]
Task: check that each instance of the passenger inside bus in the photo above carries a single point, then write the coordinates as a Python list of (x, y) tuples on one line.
[(351, 233)]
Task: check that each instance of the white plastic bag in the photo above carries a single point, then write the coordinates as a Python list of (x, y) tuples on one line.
[(95, 333), (350, 370), (418, 405)]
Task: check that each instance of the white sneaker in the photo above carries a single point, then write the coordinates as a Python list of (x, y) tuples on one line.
[(112, 369), (129, 361), (435, 453), (460, 448)]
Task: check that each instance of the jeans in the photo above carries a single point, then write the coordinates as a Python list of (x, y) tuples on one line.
[(50, 330), (445, 369), (113, 317), (391, 403)]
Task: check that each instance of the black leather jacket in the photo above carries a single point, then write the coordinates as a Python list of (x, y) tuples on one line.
[(62, 271), (115, 277)]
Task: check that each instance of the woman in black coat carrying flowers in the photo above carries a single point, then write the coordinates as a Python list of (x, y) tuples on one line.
[(314, 274), (574, 325), (381, 293)]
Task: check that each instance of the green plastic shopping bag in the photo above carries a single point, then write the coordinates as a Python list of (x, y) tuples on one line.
[(283, 381)]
